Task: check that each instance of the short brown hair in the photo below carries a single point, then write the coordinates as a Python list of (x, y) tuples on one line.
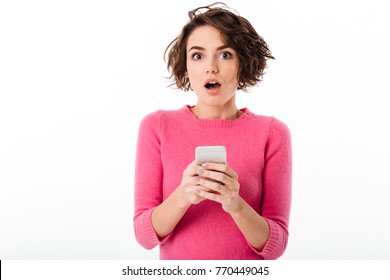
[(239, 34)]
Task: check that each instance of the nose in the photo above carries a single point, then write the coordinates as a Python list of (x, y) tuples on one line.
[(212, 66)]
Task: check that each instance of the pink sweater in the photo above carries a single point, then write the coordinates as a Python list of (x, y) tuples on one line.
[(258, 150)]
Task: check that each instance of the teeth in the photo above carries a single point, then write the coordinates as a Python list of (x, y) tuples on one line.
[(211, 85)]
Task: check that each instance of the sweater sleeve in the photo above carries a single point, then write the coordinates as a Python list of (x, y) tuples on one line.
[(148, 180), (277, 177)]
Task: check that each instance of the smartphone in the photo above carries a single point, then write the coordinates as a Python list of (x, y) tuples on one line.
[(210, 154)]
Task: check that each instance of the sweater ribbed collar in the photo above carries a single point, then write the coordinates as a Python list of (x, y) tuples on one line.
[(216, 122)]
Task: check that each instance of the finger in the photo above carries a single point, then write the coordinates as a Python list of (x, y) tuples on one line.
[(215, 176), (191, 169), (193, 183), (209, 195), (191, 195), (193, 189), (214, 186), (220, 167)]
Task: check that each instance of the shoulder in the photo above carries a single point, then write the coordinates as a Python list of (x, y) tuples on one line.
[(279, 132), (151, 119), (277, 126), (271, 121), (262, 119), (158, 117), (273, 125)]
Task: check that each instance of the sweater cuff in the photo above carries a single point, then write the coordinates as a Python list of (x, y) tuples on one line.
[(149, 234), (270, 247)]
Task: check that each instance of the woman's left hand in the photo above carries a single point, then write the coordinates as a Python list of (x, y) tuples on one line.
[(223, 181)]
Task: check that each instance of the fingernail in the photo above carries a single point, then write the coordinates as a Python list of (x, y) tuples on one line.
[(205, 165), (200, 171)]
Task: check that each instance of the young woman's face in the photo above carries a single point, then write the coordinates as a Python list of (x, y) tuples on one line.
[(212, 67)]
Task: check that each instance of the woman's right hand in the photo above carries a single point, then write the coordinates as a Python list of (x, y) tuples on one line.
[(166, 216), (190, 184)]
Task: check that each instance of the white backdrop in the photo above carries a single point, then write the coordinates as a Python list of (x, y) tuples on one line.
[(76, 77)]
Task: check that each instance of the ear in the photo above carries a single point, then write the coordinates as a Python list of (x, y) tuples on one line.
[(186, 74)]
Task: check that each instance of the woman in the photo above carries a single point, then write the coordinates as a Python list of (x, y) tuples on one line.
[(238, 210)]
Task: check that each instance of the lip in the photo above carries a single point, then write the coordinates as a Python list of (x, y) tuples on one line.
[(210, 81), (212, 90)]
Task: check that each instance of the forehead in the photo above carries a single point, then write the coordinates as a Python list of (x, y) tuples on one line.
[(205, 36)]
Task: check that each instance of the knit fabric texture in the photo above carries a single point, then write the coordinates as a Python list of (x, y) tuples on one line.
[(258, 150)]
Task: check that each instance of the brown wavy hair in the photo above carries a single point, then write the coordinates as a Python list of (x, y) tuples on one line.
[(237, 32)]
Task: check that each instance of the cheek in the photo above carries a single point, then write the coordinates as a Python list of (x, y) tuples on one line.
[(193, 67), (230, 69), (233, 76), (193, 79), (193, 73)]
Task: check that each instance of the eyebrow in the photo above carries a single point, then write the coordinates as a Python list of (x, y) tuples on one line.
[(202, 49)]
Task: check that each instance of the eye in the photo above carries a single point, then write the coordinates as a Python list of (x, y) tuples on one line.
[(196, 56), (226, 55)]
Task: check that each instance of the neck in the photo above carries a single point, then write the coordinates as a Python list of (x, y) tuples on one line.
[(215, 112)]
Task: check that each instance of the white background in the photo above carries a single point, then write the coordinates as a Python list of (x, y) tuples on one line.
[(76, 77)]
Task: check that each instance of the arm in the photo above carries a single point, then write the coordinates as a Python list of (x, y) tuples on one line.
[(254, 227), (277, 177), (166, 216), (148, 180), (266, 232), (155, 219)]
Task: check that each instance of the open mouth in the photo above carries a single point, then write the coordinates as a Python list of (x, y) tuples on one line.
[(211, 85)]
